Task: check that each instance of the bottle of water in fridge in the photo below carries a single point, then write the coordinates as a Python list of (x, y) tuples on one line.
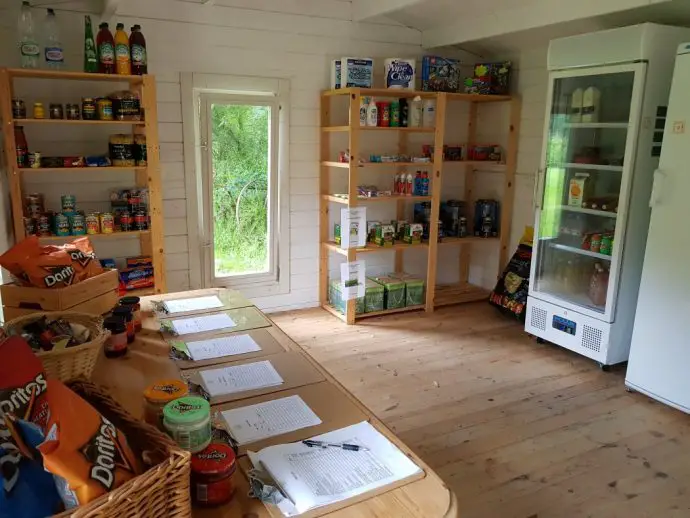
[(53, 48), (28, 45)]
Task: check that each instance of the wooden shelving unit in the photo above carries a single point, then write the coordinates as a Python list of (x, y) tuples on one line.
[(436, 296), (152, 240)]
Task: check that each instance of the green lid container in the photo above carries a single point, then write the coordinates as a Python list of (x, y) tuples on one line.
[(188, 421)]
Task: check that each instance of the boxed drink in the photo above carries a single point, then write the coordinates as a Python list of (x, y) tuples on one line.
[(579, 189), (414, 288), (336, 232), (371, 230), (373, 296), (385, 235), (394, 292), (413, 233)]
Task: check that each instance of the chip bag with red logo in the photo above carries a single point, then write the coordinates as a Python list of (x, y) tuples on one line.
[(43, 267), (84, 260), (84, 448)]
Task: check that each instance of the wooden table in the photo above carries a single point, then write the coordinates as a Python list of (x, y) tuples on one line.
[(148, 361)]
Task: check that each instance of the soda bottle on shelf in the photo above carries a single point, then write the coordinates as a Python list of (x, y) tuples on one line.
[(425, 184), (55, 58), (28, 46), (123, 64), (106, 50), (22, 147), (137, 48), (90, 52)]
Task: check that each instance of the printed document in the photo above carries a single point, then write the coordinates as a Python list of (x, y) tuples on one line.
[(203, 323), (240, 378), (194, 304), (222, 346), (263, 420)]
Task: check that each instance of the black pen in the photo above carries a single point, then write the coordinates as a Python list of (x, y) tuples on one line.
[(342, 446)]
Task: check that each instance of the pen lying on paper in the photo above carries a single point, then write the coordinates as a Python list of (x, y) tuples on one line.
[(342, 446)]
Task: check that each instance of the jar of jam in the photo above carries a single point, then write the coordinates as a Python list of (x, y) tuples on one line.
[(18, 109), (116, 344), (39, 111), (133, 303), (159, 394), (56, 111), (125, 313), (212, 472), (88, 109)]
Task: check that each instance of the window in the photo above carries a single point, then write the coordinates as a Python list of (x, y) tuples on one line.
[(240, 178)]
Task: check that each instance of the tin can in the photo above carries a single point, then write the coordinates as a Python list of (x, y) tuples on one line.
[(126, 221), (395, 114), (35, 160), (606, 247), (43, 226), (78, 224), (104, 109), (56, 111), (487, 226), (72, 111), (33, 205), (88, 109), (18, 109), (595, 243), (93, 225), (30, 227), (69, 203), (140, 221), (107, 223), (61, 225), (462, 227)]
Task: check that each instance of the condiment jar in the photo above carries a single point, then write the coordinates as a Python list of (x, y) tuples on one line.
[(133, 303), (116, 344), (158, 395), (212, 471), (39, 111), (125, 313), (56, 111), (188, 421)]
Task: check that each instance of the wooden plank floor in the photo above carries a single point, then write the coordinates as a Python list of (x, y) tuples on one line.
[(517, 429)]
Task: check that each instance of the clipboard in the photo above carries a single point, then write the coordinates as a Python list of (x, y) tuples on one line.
[(244, 318), (293, 367), (231, 299), (263, 337), (326, 400)]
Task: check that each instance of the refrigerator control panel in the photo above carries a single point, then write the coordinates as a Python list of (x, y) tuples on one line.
[(563, 324)]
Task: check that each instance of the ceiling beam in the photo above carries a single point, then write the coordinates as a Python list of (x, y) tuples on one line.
[(366, 9), (109, 8)]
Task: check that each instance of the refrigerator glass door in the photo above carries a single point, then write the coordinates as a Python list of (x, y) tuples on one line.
[(583, 187)]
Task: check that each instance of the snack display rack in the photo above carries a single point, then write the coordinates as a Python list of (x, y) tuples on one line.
[(149, 177), (436, 296)]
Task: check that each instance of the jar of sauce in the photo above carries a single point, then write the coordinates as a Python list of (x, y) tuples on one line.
[(188, 421), (125, 313), (39, 111), (88, 109), (159, 394), (133, 303), (212, 472), (116, 344)]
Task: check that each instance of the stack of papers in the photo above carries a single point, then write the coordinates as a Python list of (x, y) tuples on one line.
[(222, 346), (194, 304), (240, 378)]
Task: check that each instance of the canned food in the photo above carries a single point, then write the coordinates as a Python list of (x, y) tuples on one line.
[(140, 221), (105, 109), (595, 243), (43, 226), (107, 223), (18, 109), (61, 225), (33, 205), (69, 203), (30, 227), (126, 221), (56, 111), (72, 111), (35, 160), (93, 225), (77, 224), (606, 247), (487, 226), (88, 109), (462, 227)]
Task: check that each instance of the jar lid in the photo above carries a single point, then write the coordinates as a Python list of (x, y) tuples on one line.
[(123, 312), (187, 410), (115, 324), (129, 301), (217, 459), (164, 391)]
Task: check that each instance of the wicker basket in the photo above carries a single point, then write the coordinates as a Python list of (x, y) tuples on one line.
[(74, 362), (162, 491)]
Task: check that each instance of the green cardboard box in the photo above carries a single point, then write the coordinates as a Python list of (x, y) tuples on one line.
[(394, 292)]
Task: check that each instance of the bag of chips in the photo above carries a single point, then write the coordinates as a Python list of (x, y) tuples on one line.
[(43, 267), (84, 260), (84, 448)]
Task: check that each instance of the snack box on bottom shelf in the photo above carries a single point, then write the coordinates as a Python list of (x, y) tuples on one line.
[(372, 301), (414, 288), (394, 291), (95, 296)]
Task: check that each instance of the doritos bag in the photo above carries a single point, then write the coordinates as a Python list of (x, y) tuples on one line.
[(84, 448), (43, 267), (83, 258)]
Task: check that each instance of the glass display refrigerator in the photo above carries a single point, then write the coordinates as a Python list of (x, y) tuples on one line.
[(606, 111)]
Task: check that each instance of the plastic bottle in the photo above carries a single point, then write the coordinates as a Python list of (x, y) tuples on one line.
[(90, 52), (409, 185), (137, 49), (415, 113), (54, 56), (22, 149), (28, 46), (123, 65), (418, 184), (106, 50), (363, 104), (429, 114), (425, 184), (372, 113)]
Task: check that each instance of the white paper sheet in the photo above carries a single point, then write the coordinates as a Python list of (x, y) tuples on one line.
[(263, 420), (314, 477), (240, 378), (193, 304), (353, 279), (353, 227), (222, 346), (202, 323)]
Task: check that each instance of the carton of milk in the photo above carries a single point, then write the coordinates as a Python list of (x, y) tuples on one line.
[(336, 74), (357, 72), (400, 73)]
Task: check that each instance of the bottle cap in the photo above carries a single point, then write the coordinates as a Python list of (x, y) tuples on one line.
[(120, 26)]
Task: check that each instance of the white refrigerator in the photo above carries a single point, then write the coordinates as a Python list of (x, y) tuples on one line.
[(604, 132), (659, 364)]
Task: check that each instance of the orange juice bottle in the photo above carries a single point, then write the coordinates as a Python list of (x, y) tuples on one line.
[(123, 65)]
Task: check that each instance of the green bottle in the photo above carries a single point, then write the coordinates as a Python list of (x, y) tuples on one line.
[(90, 56)]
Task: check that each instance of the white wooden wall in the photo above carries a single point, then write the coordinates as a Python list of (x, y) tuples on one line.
[(292, 39)]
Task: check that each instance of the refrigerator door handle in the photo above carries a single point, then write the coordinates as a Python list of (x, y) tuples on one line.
[(537, 195), (655, 195)]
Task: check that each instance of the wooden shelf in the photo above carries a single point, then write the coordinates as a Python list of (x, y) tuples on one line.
[(397, 94), (478, 164), (78, 122), (467, 240), (390, 311), (373, 247), (74, 76), (114, 235), (336, 199), (460, 293), (79, 169), (332, 129), (143, 292), (382, 165)]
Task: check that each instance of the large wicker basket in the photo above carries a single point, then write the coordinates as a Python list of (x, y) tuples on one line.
[(160, 492), (74, 362)]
